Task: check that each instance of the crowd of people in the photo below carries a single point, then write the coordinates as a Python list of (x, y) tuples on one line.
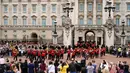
[(50, 59)]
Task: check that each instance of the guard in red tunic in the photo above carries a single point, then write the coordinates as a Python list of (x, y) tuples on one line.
[(34, 53), (52, 54), (39, 54), (73, 54), (62, 53), (43, 55), (68, 54)]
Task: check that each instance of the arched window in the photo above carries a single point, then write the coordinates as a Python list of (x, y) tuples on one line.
[(128, 20), (34, 20), (90, 20), (43, 20), (24, 20), (14, 20), (5, 20), (53, 19), (99, 20), (81, 20), (117, 19)]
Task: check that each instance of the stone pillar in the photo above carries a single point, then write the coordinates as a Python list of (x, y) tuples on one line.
[(55, 38), (109, 36), (67, 32), (67, 36), (109, 40)]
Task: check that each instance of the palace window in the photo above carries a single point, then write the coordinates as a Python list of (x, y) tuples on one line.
[(24, 8), (34, 8), (117, 20), (24, 20), (14, 8), (44, 8), (53, 21), (117, 6), (128, 6), (43, 21), (128, 20), (15, 20), (54, 8), (34, 21), (99, 21), (90, 7), (81, 7), (5, 8), (90, 22), (5, 20), (81, 21), (99, 7)]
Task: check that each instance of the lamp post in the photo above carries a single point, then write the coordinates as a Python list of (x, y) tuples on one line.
[(123, 33), (109, 8), (55, 34), (67, 9)]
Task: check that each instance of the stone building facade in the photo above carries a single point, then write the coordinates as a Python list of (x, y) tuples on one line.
[(34, 19)]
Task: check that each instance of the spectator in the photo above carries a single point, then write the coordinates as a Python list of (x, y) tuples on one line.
[(126, 67), (72, 67), (43, 67), (94, 65), (78, 66), (56, 64), (51, 67), (24, 67), (105, 69), (63, 67), (90, 68), (8, 70), (31, 67)]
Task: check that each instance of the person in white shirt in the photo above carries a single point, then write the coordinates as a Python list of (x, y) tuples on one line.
[(51, 67), (90, 68)]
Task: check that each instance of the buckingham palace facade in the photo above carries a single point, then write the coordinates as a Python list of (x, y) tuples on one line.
[(26, 20)]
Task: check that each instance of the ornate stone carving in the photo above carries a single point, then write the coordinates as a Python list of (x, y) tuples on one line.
[(109, 25)]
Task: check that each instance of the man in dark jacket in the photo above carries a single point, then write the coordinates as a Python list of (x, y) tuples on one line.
[(72, 67)]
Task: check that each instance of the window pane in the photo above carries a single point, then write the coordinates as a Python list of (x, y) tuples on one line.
[(24, 22), (14, 21), (24, 8), (34, 21), (44, 22), (99, 21), (128, 21), (81, 21), (117, 6), (117, 21), (89, 7), (34, 8), (81, 7), (99, 7), (128, 6), (53, 7), (5, 8), (5, 21), (15, 9), (43, 8), (90, 21)]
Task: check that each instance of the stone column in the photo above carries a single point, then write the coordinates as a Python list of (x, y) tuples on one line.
[(55, 38), (85, 12), (109, 36)]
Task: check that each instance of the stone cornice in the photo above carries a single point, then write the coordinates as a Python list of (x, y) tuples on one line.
[(29, 27)]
